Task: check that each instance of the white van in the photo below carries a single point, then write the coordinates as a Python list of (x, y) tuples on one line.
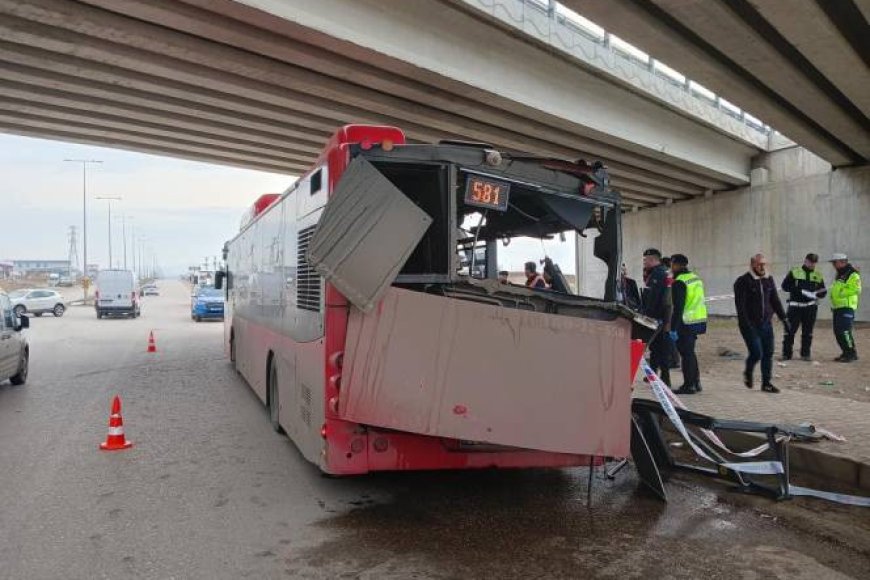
[(116, 293)]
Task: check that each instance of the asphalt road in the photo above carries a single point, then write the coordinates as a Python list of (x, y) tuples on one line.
[(210, 491)]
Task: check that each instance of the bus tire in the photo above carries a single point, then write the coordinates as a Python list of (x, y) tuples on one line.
[(274, 404)]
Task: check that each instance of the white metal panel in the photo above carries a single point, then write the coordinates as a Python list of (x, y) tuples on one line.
[(366, 233), (452, 368)]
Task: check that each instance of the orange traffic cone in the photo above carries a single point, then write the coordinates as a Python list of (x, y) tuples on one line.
[(152, 346), (116, 441)]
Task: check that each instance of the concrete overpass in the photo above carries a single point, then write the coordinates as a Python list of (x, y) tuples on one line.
[(261, 83), (802, 65)]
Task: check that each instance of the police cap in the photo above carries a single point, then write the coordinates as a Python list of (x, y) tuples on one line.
[(680, 259)]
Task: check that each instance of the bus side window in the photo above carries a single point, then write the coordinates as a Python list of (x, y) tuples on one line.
[(316, 181)]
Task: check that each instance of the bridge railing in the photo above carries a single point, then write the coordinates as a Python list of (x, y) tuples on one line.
[(562, 28)]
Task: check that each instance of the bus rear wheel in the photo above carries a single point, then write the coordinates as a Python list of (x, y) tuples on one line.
[(273, 398)]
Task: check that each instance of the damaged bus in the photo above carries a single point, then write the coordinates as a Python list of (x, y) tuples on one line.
[(364, 310)]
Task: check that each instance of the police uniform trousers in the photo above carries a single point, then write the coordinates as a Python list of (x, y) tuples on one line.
[(803, 318)]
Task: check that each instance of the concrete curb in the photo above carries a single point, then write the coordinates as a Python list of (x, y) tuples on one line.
[(804, 459)]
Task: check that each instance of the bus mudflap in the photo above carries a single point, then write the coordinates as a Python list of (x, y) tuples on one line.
[(433, 365), (367, 231)]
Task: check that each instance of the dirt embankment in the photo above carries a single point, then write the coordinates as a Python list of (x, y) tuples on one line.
[(822, 376)]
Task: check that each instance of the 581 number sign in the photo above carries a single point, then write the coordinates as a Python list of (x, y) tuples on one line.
[(487, 193)]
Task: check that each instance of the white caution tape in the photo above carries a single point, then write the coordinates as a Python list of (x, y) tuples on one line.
[(661, 391), (756, 467), (830, 496), (664, 396), (714, 439), (718, 298)]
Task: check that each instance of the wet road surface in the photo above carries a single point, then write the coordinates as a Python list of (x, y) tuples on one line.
[(210, 491)]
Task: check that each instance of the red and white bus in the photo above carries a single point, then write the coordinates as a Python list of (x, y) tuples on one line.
[(326, 353)]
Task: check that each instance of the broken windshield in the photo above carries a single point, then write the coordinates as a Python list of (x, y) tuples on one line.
[(477, 216)]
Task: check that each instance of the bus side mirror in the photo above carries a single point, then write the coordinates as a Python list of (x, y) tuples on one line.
[(219, 279)]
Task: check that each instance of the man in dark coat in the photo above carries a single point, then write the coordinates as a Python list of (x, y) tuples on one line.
[(656, 303), (757, 300)]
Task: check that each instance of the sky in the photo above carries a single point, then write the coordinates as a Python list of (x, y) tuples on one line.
[(184, 210)]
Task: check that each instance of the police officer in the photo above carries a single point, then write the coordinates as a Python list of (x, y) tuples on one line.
[(688, 321), (844, 300), (656, 303), (804, 285)]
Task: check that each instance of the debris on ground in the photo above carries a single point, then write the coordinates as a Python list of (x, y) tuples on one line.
[(819, 433), (726, 352)]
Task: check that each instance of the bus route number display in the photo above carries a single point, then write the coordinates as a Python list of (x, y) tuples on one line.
[(487, 193)]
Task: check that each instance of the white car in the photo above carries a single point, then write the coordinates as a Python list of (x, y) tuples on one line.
[(37, 301), (14, 350)]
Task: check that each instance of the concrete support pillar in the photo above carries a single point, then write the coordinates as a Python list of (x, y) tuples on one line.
[(759, 176)]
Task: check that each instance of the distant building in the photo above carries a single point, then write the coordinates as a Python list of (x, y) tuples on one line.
[(6, 270), (39, 267)]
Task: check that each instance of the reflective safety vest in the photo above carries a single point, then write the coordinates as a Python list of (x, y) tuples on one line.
[(800, 274), (844, 293), (694, 309)]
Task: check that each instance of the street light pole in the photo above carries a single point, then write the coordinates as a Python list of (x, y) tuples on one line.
[(124, 237), (142, 265), (133, 243), (124, 233), (84, 163), (110, 199)]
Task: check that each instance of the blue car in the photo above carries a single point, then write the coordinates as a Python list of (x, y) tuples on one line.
[(206, 302)]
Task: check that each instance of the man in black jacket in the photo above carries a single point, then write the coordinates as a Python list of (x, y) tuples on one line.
[(805, 286), (756, 300), (656, 303)]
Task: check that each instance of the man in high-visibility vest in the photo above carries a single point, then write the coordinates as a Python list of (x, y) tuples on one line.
[(805, 286), (688, 321), (844, 301)]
